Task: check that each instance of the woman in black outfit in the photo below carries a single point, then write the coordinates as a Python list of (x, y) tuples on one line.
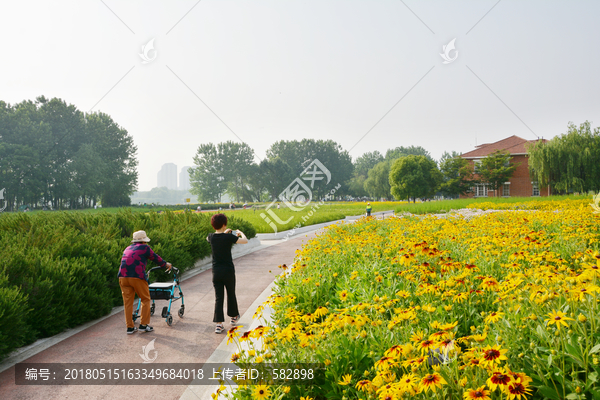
[(223, 269)]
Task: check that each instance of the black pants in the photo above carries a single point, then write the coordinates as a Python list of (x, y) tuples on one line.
[(224, 278)]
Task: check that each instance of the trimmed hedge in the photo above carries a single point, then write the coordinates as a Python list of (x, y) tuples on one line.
[(59, 270)]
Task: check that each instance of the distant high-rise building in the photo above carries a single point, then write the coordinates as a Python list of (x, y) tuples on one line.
[(167, 176), (184, 179)]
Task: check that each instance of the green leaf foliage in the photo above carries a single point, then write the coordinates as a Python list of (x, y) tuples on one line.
[(414, 177), (569, 162)]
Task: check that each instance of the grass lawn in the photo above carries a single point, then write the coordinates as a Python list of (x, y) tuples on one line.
[(442, 206), (309, 216)]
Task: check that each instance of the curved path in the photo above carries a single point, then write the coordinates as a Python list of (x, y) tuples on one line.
[(189, 340)]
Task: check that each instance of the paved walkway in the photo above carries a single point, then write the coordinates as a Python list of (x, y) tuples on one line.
[(189, 340)]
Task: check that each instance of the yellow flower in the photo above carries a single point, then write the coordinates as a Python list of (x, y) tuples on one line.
[(232, 334), (364, 385), (346, 379), (493, 317), (344, 295), (493, 355), (558, 318), (417, 336), (518, 389), (261, 392), (432, 381), (479, 393)]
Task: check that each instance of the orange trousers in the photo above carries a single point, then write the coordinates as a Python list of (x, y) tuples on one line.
[(129, 288)]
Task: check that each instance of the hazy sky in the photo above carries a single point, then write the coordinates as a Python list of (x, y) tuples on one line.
[(260, 71)]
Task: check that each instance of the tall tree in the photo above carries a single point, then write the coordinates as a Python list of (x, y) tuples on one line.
[(51, 152), (276, 176), (496, 169), (569, 162), (118, 153), (207, 179), (378, 182), (236, 160), (457, 175), (414, 177), (394, 154), (300, 154), (362, 165)]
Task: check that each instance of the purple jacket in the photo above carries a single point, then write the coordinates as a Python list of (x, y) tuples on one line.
[(135, 258)]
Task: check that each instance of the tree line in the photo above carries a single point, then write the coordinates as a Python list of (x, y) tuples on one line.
[(229, 167), (404, 172), (54, 155)]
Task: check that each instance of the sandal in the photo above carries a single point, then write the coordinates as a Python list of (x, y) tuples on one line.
[(220, 328), (235, 319)]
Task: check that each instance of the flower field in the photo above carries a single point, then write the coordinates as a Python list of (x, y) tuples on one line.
[(499, 306)]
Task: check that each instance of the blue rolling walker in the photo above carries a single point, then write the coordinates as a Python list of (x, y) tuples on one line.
[(164, 291)]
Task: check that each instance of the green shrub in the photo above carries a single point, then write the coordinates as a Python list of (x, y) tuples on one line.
[(13, 314)]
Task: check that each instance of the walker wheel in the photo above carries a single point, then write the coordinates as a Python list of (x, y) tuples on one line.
[(165, 312), (169, 320), (180, 312), (134, 316), (152, 308)]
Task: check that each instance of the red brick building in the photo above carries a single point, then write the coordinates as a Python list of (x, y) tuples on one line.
[(520, 185)]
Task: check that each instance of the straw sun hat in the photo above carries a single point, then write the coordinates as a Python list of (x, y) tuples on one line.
[(140, 236)]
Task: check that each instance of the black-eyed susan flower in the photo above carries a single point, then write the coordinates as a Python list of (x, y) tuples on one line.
[(427, 345), (432, 382), (558, 318), (346, 379), (232, 334), (365, 385), (261, 392), (417, 336), (495, 354), (479, 393), (499, 378), (409, 384), (517, 389), (344, 295), (493, 317)]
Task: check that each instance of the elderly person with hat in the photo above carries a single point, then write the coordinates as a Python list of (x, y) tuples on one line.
[(133, 279)]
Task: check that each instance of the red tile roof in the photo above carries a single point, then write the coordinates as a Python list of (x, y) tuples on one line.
[(512, 144)]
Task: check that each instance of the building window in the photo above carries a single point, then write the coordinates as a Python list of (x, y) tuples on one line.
[(506, 189), (536, 189), (481, 190)]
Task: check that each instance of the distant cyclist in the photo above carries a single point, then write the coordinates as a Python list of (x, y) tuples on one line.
[(369, 208)]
